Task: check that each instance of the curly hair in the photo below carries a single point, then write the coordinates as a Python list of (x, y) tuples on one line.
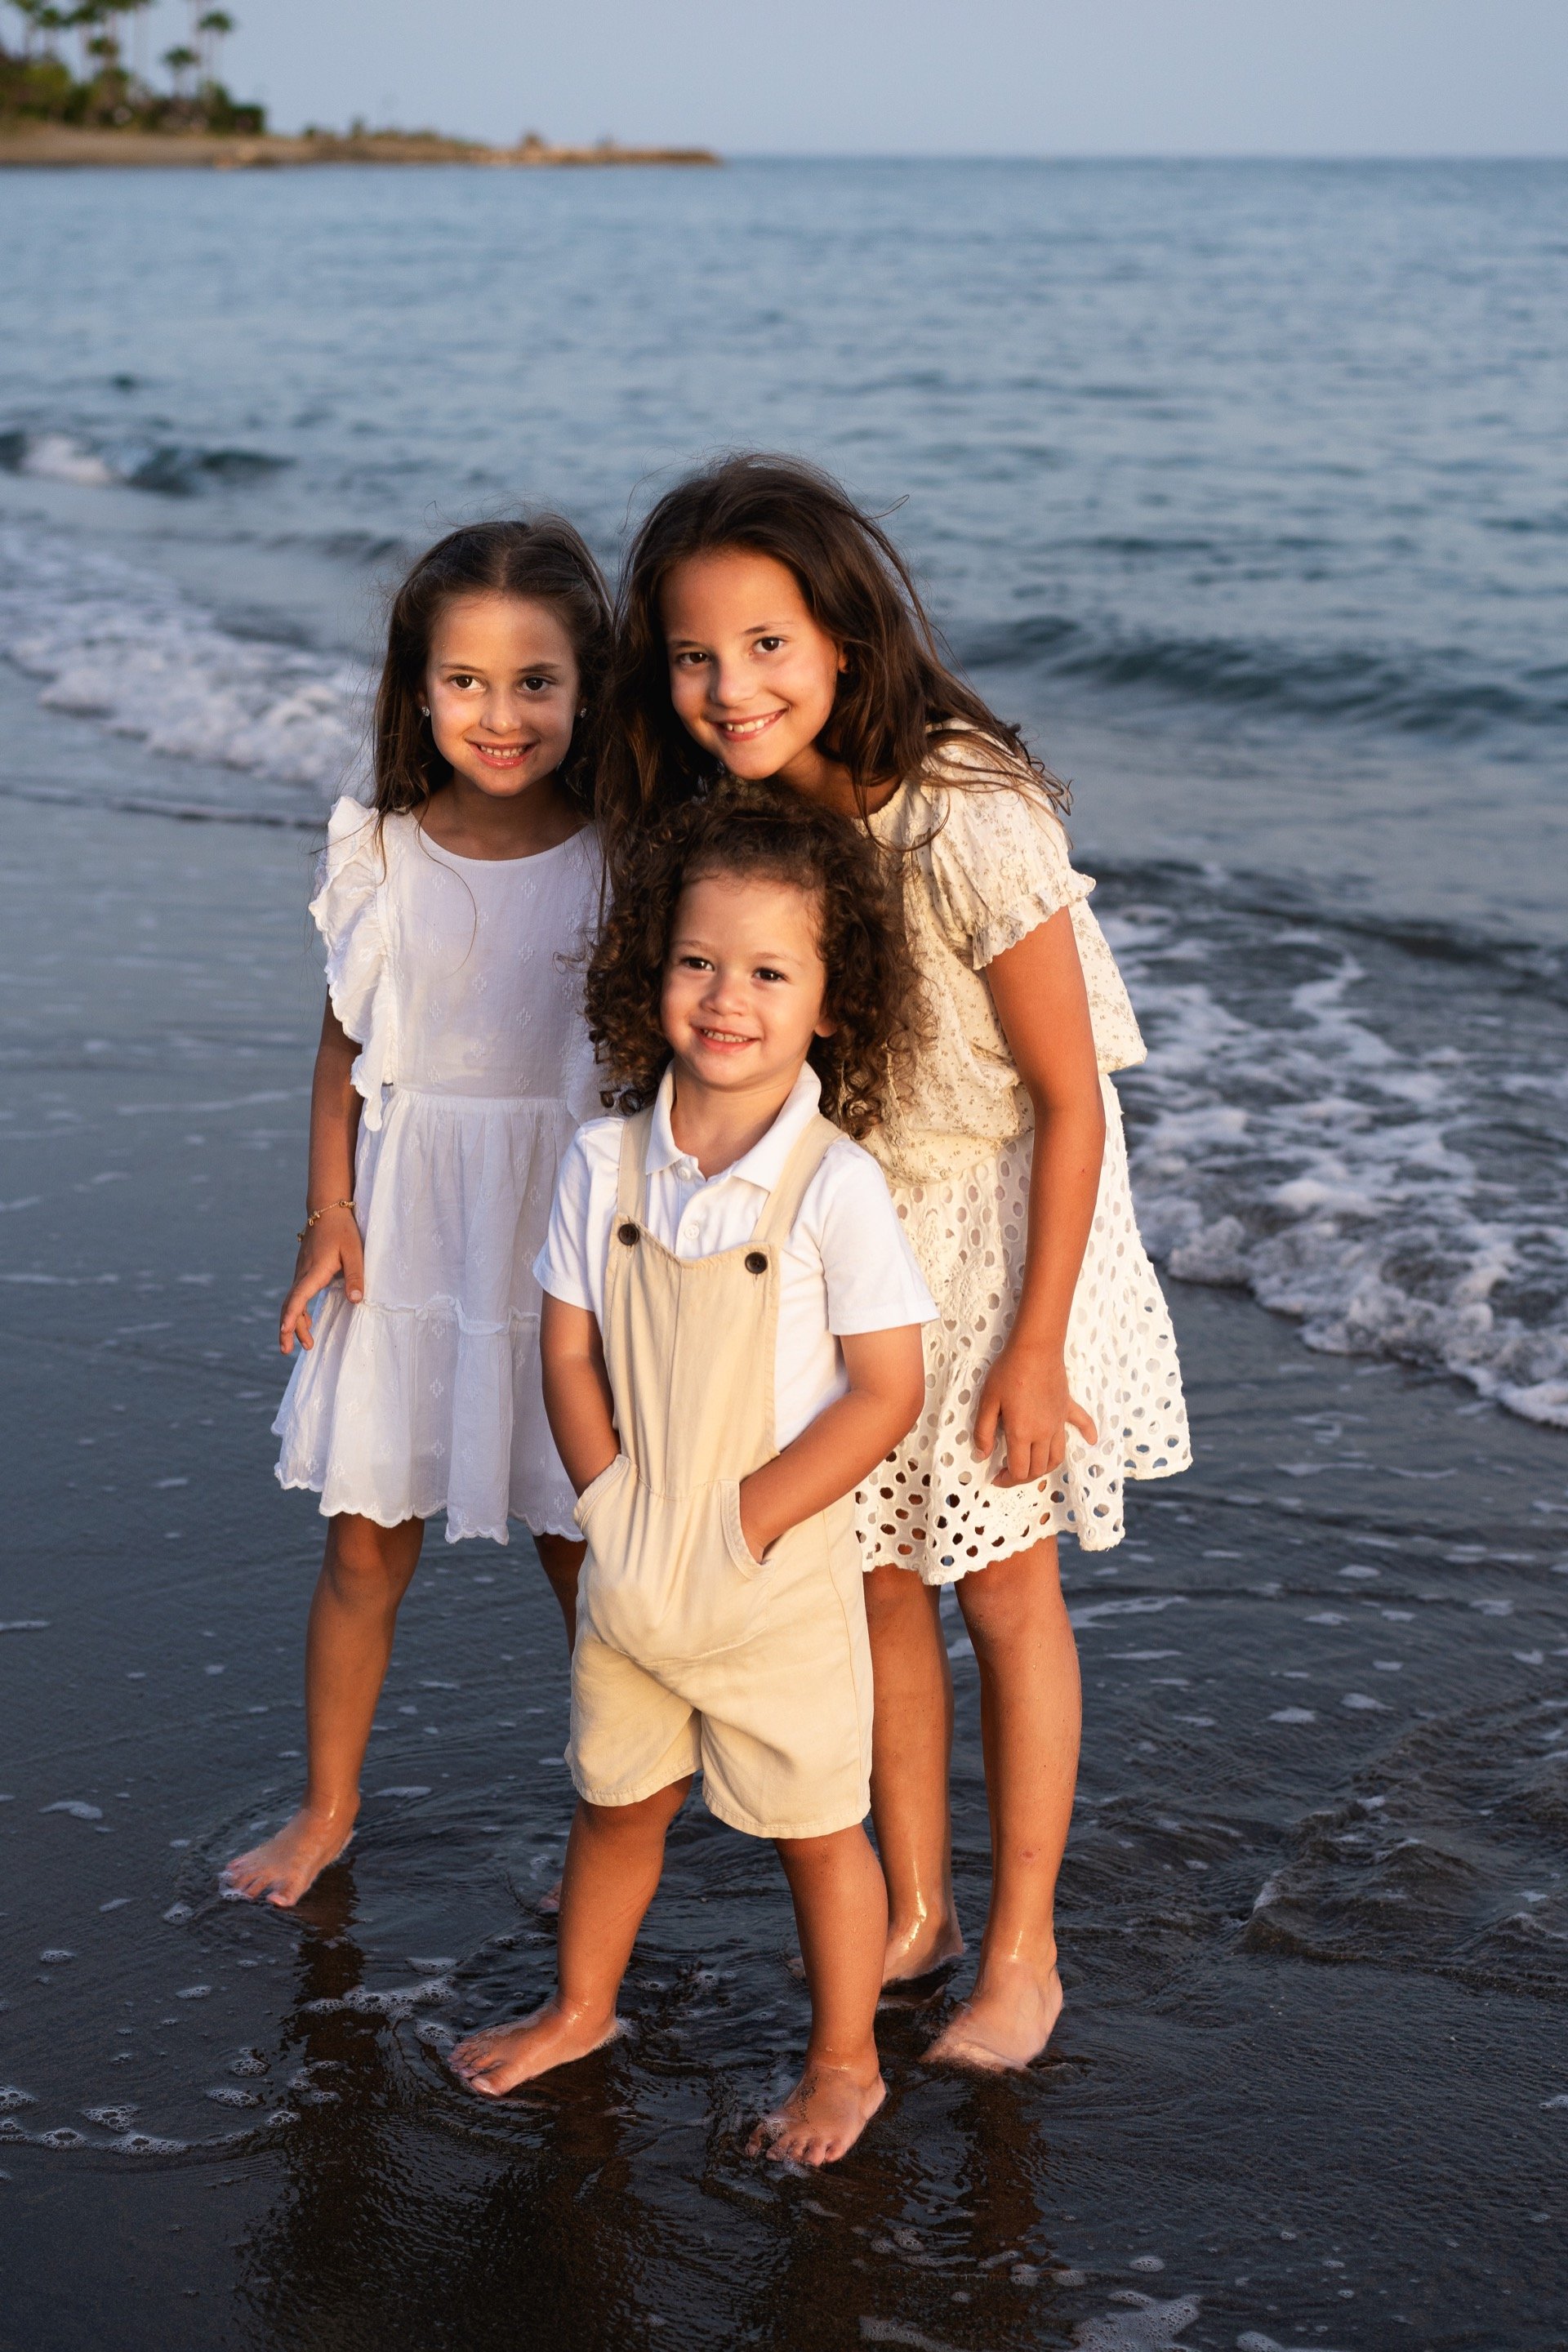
[(759, 831), (547, 562), (897, 688)]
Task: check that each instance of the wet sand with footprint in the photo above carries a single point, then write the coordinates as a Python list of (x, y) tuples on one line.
[(1312, 2084)]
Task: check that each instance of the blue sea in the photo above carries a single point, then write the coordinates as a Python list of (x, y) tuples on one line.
[(1245, 486), (1245, 489)]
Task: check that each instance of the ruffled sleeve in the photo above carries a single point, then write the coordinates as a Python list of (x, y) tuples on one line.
[(998, 866), (347, 909)]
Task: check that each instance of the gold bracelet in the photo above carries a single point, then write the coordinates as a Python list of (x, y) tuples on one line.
[(321, 1212)]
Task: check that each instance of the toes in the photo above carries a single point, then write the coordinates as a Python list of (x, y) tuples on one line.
[(480, 2066)]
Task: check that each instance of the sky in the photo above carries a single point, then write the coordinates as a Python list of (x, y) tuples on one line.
[(925, 76)]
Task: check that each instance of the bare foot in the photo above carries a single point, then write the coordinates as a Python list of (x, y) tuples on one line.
[(497, 2061), (282, 1869), (1006, 2020), (822, 2119), (921, 1947)]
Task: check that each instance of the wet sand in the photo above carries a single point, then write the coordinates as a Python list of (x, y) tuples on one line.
[(1312, 2086)]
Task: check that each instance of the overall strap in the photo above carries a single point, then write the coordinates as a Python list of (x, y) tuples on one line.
[(782, 1205), (632, 1182)]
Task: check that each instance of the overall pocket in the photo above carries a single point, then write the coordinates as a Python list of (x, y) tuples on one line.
[(740, 1550), (593, 1493), (669, 1576)]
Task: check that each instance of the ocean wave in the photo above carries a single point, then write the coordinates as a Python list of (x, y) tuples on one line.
[(1441, 692), (1363, 1122), (1506, 963), (1371, 1140), (127, 648), (176, 468)]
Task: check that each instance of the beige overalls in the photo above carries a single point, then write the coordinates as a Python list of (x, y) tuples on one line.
[(692, 1656)]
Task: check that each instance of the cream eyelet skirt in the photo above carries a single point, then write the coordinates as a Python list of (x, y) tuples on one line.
[(935, 1506)]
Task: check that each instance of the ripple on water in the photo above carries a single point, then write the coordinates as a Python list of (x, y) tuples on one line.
[(1452, 1861)]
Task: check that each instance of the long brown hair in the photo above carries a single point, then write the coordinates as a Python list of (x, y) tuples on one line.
[(898, 685), (752, 830), (545, 561)]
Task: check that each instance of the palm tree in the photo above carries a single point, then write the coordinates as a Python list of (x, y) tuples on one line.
[(51, 22), (31, 12), (87, 19), (137, 11), (180, 61), (214, 25)]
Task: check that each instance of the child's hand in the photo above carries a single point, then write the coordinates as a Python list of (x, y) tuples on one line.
[(1027, 1394), (330, 1248), (754, 1534)]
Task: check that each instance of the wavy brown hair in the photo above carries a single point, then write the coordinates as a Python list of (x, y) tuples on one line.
[(544, 560), (759, 831), (898, 683)]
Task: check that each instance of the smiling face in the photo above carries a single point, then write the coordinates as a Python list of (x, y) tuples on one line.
[(743, 984), (753, 676), (502, 688)]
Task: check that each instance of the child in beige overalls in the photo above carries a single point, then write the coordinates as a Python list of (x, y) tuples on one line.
[(692, 1656), (731, 1341)]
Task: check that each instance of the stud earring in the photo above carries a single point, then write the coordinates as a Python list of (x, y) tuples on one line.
[(424, 710)]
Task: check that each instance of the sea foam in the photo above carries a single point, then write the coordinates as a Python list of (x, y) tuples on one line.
[(129, 649), (1367, 1135)]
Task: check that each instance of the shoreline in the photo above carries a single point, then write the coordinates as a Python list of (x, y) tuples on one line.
[(1223, 1892), (64, 147)]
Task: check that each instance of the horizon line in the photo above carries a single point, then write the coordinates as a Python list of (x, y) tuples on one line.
[(1137, 155), (1028, 155)]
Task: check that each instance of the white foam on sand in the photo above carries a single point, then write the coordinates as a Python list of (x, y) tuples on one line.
[(129, 650)]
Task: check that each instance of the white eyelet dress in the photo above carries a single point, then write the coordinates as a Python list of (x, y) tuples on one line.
[(986, 862), (458, 978)]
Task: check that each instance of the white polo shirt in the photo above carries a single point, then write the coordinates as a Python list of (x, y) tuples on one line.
[(846, 1268)]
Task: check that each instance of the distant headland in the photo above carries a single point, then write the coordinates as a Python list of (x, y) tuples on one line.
[(62, 145), (110, 111)]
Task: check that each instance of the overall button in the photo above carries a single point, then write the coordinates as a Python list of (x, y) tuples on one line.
[(756, 1261), (629, 1233)]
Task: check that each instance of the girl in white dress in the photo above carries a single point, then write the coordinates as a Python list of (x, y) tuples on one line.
[(767, 628), (453, 1068)]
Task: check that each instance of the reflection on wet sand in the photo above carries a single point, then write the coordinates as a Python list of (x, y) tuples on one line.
[(616, 2196)]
